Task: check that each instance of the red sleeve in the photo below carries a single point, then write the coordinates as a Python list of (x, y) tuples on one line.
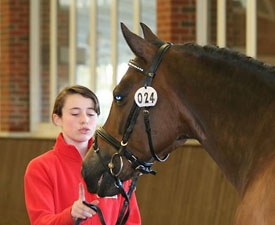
[(39, 198)]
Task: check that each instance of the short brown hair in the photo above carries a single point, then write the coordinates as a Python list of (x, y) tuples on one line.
[(75, 89)]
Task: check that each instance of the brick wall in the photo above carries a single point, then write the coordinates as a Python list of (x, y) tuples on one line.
[(176, 20), (266, 35), (14, 65)]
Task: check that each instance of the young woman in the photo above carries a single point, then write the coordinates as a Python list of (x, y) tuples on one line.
[(54, 188)]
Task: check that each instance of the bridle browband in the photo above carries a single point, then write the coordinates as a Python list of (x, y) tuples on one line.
[(143, 167)]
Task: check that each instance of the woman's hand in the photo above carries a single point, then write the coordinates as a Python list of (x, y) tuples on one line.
[(79, 210)]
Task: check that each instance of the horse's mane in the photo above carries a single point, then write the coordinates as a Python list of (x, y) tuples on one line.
[(229, 55)]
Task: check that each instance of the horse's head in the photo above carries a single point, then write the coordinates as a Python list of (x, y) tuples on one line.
[(145, 121)]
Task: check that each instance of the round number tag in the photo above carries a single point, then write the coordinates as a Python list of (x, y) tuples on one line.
[(146, 96)]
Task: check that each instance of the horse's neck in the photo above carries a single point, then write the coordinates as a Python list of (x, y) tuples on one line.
[(257, 205), (232, 115)]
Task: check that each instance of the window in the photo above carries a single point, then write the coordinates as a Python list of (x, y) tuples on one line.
[(80, 42)]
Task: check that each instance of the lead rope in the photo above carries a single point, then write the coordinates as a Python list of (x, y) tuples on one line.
[(96, 209), (123, 216)]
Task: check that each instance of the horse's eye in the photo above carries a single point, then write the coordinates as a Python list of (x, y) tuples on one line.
[(118, 98)]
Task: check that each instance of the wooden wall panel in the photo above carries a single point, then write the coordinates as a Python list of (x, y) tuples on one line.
[(14, 156), (189, 189)]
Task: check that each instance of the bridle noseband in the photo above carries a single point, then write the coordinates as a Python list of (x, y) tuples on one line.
[(143, 167)]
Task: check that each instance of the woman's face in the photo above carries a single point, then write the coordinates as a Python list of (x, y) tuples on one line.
[(78, 121)]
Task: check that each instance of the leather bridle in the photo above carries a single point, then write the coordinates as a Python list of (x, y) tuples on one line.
[(143, 167), (121, 146)]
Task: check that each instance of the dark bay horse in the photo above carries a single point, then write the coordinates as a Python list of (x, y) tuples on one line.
[(172, 93)]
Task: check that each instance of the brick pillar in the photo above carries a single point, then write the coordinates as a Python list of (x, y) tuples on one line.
[(14, 65), (176, 20)]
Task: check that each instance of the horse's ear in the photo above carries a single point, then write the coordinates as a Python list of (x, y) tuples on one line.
[(148, 34), (139, 46)]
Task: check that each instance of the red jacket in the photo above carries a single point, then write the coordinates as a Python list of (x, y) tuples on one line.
[(52, 185)]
